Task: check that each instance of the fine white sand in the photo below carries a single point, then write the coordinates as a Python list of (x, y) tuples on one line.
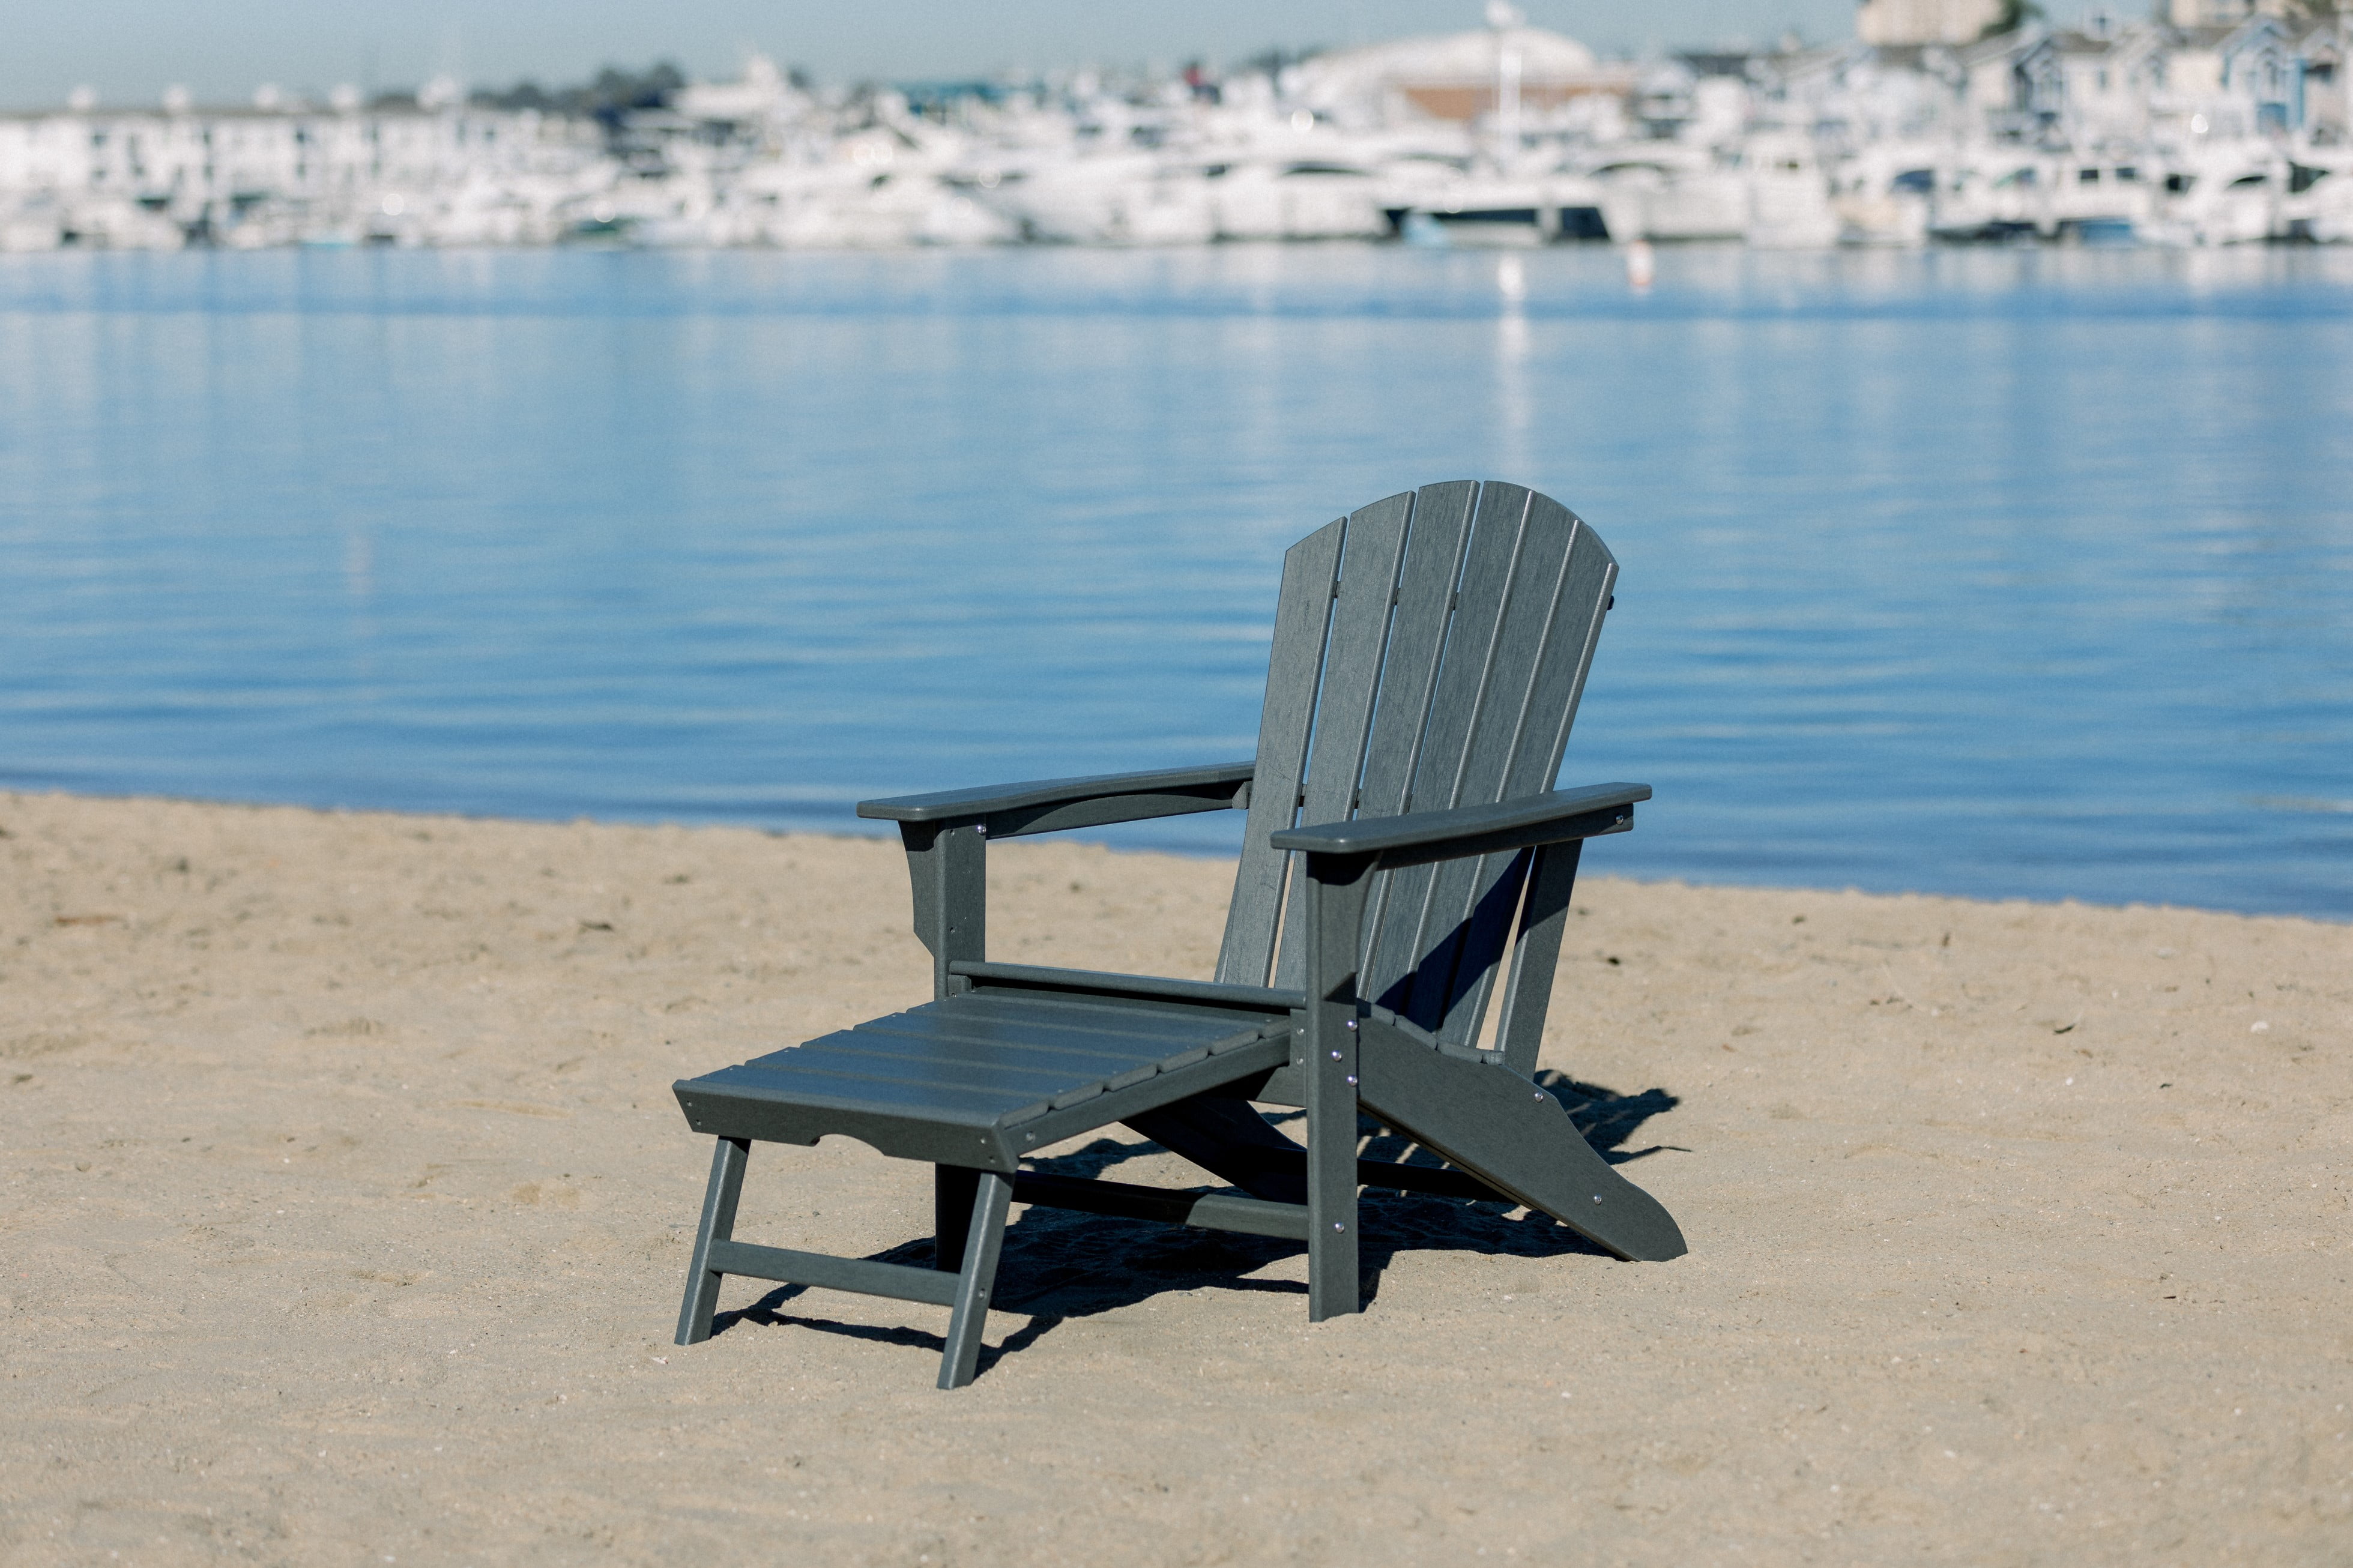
[(347, 1210)]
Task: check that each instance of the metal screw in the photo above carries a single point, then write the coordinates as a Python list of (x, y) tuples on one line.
[(1352, 1078), (1351, 1023), (1336, 1056), (1597, 1197), (1540, 1094), (1337, 1225)]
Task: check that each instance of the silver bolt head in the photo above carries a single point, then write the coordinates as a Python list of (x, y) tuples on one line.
[(1336, 1056), (1352, 1078), (1337, 1225), (1597, 1197)]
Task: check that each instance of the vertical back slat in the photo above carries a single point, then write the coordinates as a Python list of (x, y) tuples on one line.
[(1352, 676), (1442, 524), (1431, 650), (1586, 591), (1558, 685), (1470, 648), (1468, 920), (1294, 668), (1426, 583)]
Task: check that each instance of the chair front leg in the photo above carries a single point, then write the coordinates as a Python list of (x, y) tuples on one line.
[(719, 1200), (1336, 890), (992, 1196)]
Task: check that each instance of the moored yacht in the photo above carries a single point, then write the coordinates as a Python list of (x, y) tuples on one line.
[(1294, 199), (1788, 194), (1670, 190), (1106, 198), (1488, 207)]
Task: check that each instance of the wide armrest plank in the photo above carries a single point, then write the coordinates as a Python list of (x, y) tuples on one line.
[(1419, 837), (973, 805)]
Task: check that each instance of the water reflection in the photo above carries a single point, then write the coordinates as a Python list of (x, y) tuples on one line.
[(1993, 572)]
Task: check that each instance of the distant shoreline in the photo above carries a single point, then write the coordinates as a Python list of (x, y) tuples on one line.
[(857, 832)]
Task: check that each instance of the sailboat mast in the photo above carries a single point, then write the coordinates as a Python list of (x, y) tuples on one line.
[(1504, 18)]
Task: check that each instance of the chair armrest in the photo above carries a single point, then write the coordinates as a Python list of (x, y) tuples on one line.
[(1418, 837), (1343, 855), (1043, 805)]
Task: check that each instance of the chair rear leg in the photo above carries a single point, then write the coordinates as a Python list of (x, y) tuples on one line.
[(1333, 1283), (727, 1162), (953, 1188), (992, 1196)]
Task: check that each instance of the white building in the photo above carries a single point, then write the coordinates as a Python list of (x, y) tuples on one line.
[(1458, 76), (108, 176), (2097, 86), (1904, 22), (2223, 13)]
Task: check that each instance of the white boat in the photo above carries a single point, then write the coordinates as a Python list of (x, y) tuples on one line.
[(2106, 198), (1294, 199), (1440, 201), (2320, 202), (842, 207), (1789, 193), (114, 223), (1886, 194), (653, 210), (2228, 193), (1992, 195), (1668, 191), (1106, 198), (36, 223)]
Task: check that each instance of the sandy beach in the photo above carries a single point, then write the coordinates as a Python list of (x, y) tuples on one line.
[(347, 1209)]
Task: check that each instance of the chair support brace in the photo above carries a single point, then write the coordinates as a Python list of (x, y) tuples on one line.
[(717, 1254), (947, 870), (1206, 1211), (862, 1275)]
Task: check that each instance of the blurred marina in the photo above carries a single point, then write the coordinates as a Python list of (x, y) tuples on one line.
[(2213, 122)]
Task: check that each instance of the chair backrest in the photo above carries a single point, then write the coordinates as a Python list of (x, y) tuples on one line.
[(1428, 652)]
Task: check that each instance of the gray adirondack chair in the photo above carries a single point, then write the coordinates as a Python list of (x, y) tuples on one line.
[(1403, 837)]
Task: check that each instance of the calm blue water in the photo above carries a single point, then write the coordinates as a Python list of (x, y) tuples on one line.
[(1999, 574)]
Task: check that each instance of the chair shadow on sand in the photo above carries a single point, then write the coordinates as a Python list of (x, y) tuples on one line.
[(1060, 1265)]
